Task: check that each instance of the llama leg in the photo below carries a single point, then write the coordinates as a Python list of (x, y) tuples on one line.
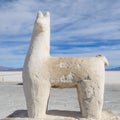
[(39, 99), (91, 98)]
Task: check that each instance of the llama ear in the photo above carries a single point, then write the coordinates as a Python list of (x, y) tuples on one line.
[(47, 14), (39, 14)]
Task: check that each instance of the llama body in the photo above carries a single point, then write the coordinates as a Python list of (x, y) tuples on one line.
[(42, 71)]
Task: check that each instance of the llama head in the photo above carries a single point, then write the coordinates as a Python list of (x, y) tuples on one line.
[(42, 22)]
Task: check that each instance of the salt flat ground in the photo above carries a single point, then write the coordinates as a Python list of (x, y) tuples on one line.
[(12, 95), (112, 77), (12, 76)]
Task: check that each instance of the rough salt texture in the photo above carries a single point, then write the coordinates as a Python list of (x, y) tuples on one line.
[(42, 71), (57, 115)]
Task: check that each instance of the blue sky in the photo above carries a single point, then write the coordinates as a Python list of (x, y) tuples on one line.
[(78, 28)]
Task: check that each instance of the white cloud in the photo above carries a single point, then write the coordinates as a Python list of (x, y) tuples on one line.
[(71, 22)]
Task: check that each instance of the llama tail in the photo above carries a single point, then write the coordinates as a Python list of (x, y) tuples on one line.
[(104, 59)]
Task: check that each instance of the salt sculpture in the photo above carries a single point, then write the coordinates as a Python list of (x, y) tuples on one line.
[(42, 71)]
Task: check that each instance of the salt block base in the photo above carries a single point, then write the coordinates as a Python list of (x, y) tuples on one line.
[(62, 115)]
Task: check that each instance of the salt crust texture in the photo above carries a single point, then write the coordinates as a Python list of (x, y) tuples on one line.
[(42, 71), (74, 116)]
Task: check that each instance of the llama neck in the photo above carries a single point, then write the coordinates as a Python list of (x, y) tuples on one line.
[(40, 44)]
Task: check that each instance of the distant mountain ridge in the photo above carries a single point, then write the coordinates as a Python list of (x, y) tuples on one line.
[(114, 69), (3, 68)]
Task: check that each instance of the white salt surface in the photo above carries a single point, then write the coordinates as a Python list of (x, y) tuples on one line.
[(11, 76), (12, 96), (112, 77)]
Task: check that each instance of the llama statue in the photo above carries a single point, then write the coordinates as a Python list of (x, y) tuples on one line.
[(42, 71)]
